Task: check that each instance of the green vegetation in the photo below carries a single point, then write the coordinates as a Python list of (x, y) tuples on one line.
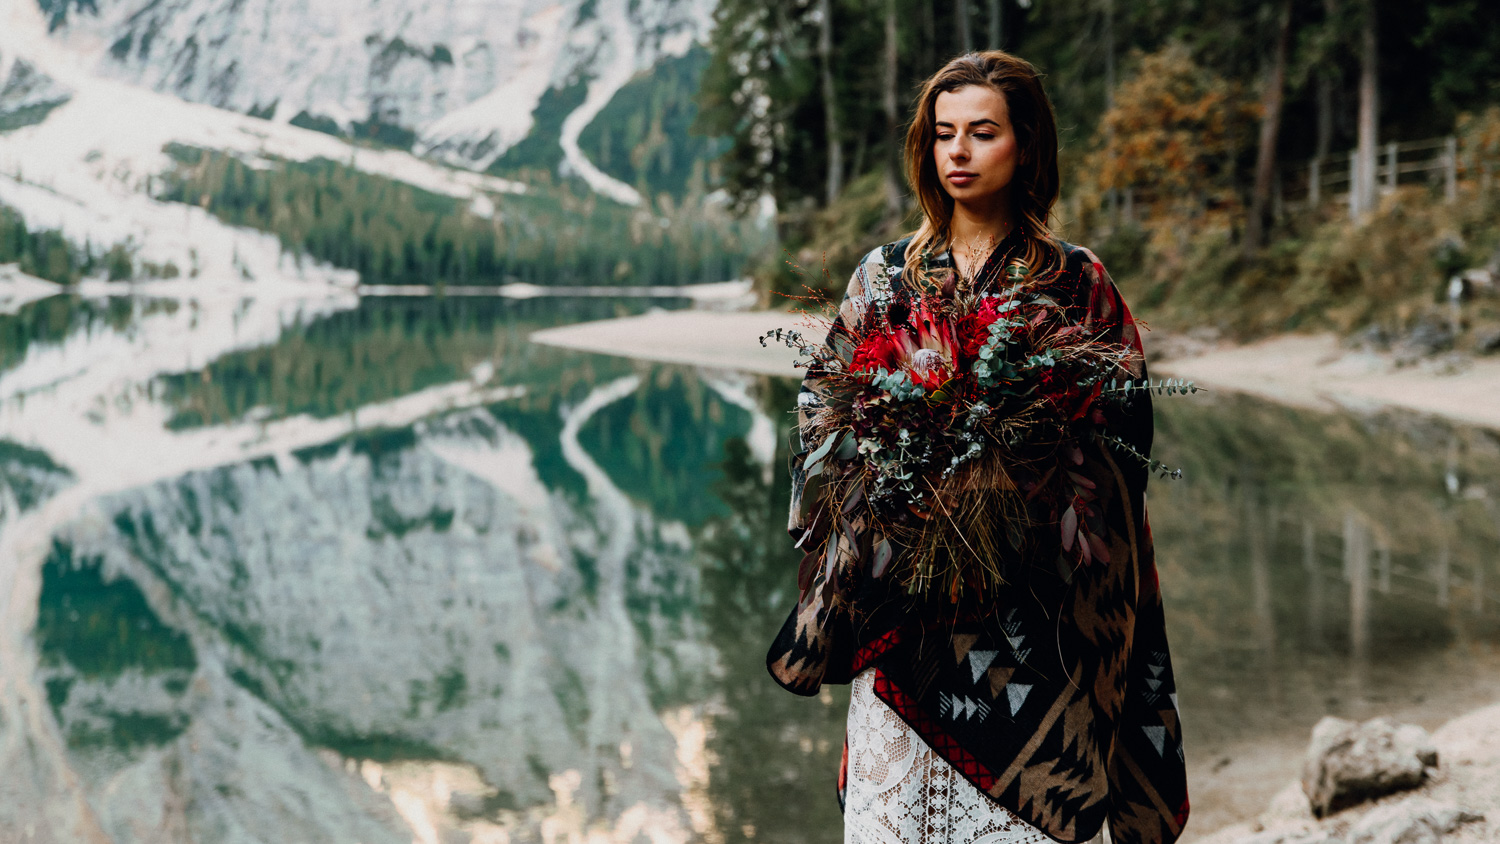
[(659, 443), (46, 253), (380, 747), (1319, 273), (538, 154), (385, 348), (1185, 129), (393, 233), (101, 627), (57, 10), (29, 475), (644, 136), (50, 321)]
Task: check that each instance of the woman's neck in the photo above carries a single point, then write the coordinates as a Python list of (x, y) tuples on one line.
[(975, 230)]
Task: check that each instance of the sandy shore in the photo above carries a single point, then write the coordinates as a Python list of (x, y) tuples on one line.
[(1312, 371), (1316, 371), (722, 340)]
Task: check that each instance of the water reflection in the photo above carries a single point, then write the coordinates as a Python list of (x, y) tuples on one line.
[(386, 571)]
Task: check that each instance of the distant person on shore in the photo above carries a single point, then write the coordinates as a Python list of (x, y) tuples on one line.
[(1038, 705)]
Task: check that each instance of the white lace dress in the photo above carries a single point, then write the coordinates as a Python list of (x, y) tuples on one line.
[(899, 791)]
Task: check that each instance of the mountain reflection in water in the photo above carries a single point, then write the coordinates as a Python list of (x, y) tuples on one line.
[(381, 570)]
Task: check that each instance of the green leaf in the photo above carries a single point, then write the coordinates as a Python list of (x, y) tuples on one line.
[(847, 447), (882, 558), (821, 451)]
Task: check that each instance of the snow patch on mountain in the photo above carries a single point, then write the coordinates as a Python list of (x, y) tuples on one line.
[(88, 168), (465, 77)]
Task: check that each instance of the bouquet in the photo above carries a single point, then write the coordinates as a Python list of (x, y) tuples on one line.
[(955, 420)]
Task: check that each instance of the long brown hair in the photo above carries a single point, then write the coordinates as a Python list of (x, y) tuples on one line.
[(1035, 185)]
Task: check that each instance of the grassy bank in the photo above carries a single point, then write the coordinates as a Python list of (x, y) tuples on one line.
[(1389, 272)]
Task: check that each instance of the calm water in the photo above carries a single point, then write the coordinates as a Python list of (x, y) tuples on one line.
[(382, 570)]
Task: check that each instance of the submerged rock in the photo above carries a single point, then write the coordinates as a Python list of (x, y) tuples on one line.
[(1349, 763)]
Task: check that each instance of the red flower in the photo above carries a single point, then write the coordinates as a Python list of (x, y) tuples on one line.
[(926, 355), (974, 329)]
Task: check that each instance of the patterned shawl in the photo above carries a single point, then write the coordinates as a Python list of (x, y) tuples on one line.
[(1055, 696)]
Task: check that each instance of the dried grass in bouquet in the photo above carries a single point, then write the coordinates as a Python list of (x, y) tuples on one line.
[(953, 428)]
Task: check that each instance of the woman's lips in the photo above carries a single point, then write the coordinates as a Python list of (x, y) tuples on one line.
[(961, 177)]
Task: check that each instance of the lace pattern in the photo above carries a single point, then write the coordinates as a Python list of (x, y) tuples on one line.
[(901, 792)]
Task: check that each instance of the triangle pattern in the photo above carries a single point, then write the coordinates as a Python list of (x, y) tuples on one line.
[(959, 707), (1169, 717), (1173, 696), (1156, 670), (979, 660), (1017, 693), (998, 678), (1015, 642), (961, 645), (1153, 683), (1158, 736)]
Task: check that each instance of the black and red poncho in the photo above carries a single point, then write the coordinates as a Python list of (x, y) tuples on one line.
[(1053, 695)]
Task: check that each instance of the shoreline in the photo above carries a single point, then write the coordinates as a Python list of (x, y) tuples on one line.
[(1312, 371)]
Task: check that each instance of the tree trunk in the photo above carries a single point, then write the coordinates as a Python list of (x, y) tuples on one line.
[(1327, 76), (891, 102), (1368, 116), (1324, 139), (1109, 54), (1112, 199), (929, 38), (1270, 133), (961, 15), (830, 103), (996, 26)]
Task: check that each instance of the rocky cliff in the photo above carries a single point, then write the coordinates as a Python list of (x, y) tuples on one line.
[(459, 80)]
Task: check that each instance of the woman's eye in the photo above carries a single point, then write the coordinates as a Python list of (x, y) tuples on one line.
[(945, 136), (983, 136)]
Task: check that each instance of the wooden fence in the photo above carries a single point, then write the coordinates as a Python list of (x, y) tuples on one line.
[(1322, 185), (1309, 184)]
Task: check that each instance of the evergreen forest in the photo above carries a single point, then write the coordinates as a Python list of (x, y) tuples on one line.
[(1191, 132), (393, 233)]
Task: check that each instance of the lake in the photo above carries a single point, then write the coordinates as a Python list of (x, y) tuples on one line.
[(380, 570)]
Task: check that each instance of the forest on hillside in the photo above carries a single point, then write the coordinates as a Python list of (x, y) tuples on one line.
[(1192, 132)]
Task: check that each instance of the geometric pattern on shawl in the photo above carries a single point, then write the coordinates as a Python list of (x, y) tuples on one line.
[(1055, 696)]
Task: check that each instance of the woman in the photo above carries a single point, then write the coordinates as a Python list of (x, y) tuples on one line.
[(1045, 709)]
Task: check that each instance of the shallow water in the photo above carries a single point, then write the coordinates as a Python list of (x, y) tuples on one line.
[(381, 570)]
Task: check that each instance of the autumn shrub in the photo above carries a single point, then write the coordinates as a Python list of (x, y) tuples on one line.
[(1322, 270), (1169, 143)]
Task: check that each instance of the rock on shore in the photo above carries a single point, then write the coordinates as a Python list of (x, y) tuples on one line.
[(1451, 787)]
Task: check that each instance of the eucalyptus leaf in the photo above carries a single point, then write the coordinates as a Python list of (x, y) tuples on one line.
[(855, 496), (848, 447), (882, 559), (821, 451)]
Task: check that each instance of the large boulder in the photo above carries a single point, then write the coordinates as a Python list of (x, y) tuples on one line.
[(1348, 763)]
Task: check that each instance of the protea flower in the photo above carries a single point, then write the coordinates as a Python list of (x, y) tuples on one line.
[(925, 350)]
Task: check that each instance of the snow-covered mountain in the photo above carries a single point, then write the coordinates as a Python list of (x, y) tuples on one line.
[(460, 79)]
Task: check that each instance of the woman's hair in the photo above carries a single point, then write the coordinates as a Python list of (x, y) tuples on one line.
[(1035, 185)]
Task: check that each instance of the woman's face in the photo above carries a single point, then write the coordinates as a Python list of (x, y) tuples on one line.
[(975, 148)]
